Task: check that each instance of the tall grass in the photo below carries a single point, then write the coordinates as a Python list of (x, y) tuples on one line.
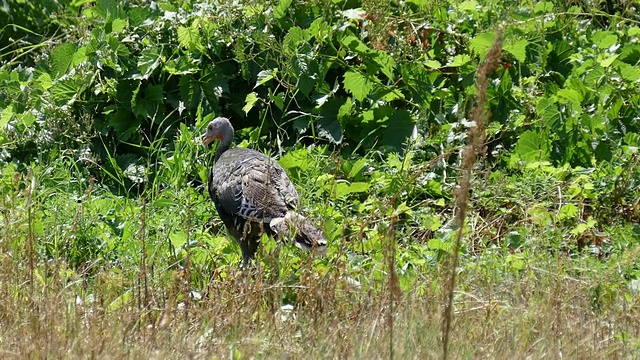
[(84, 273)]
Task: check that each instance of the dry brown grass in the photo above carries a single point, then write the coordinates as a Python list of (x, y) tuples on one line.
[(541, 312)]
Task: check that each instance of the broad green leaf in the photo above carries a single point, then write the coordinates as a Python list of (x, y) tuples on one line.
[(355, 44), (532, 146), (146, 101), (120, 301), (607, 60), (633, 31), (296, 159), (385, 62), (188, 38), (459, 60), (148, 62), (118, 25), (45, 81), (138, 15), (468, 5), (124, 124), (281, 10), (344, 188), (357, 167), (328, 126), (518, 49), (250, 101), (628, 72), (108, 9), (344, 113), (571, 95), (632, 139), (358, 85), (604, 39), (482, 43), (7, 115), (294, 37), (264, 76), (568, 211), (319, 29), (164, 202), (399, 128), (583, 227), (61, 58), (65, 91), (434, 64), (80, 56), (178, 239), (277, 99), (438, 244), (543, 7)]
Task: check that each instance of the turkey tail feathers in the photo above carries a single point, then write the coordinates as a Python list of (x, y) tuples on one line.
[(299, 230)]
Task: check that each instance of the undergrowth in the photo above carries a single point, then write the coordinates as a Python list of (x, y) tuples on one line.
[(110, 246)]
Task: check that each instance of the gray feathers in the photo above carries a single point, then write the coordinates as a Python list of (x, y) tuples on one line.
[(253, 195)]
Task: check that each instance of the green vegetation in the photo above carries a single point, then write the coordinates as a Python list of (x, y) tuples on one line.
[(111, 247)]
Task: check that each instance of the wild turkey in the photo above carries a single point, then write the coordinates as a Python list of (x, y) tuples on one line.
[(254, 195)]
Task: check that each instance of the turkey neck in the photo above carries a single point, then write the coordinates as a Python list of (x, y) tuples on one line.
[(225, 142)]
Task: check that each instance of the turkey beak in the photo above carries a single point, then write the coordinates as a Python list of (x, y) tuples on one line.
[(207, 138)]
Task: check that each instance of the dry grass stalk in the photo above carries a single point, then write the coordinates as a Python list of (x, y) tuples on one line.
[(476, 147)]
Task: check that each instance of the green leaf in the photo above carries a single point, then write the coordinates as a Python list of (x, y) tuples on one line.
[(264, 76), (250, 101), (146, 101), (319, 29), (548, 112), (296, 159), (532, 146), (460, 60), (358, 85), (61, 58), (468, 5), (344, 188), (568, 211), (399, 128), (178, 239), (607, 60), (482, 43), (604, 39), (7, 115), (434, 64), (295, 36), (583, 227), (354, 44), (543, 7), (344, 113), (328, 125), (64, 91), (356, 168), (628, 72), (189, 38), (148, 62), (118, 25), (518, 49), (281, 10), (138, 15), (571, 95), (44, 81), (385, 63)]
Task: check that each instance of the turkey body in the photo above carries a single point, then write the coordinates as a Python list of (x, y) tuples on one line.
[(253, 195)]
